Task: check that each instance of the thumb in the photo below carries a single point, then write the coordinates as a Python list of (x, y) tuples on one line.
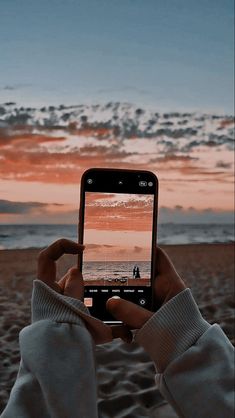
[(74, 286), (129, 313)]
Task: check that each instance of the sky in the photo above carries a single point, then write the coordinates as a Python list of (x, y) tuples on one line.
[(42, 161), (173, 55), (152, 87), (126, 225)]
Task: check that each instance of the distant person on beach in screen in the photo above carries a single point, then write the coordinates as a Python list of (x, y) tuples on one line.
[(57, 375), (136, 272)]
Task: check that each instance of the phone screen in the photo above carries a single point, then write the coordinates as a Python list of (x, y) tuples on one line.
[(117, 261)]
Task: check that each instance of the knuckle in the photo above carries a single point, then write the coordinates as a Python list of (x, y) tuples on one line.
[(73, 271), (41, 255), (63, 241), (60, 242)]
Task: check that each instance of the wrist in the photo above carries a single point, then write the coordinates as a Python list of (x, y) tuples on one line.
[(172, 330), (47, 303), (175, 289)]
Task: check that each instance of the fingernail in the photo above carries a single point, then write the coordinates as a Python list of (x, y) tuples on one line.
[(115, 297)]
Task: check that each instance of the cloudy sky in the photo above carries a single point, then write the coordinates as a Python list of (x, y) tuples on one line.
[(126, 224), (172, 55), (44, 152), (173, 60)]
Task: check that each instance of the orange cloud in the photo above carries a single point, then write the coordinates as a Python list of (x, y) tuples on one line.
[(58, 155), (25, 139), (24, 158), (172, 157), (226, 122), (131, 215)]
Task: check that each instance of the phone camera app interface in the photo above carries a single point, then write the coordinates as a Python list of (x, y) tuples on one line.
[(118, 240)]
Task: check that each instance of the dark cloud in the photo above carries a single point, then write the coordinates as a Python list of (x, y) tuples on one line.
[(25, 155), (93, 247), (178, 207), (10, 207), (21, 118), (175, 133), (168, 157), (212, 141), (181, 215), (98, 246), (121, 124), (208, 210), (137, 249), (215, 139), (164, 209), (9, 88), (223, 164), (111, 152), (12, 87)]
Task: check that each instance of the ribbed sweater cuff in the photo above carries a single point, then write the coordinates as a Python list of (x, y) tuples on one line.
[(48, 304), (174, 328)]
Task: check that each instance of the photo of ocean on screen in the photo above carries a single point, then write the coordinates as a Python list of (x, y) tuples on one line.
[(114, 270)]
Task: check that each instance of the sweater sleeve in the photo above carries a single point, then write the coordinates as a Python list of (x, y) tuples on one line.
[(194, 360), (56, 378)]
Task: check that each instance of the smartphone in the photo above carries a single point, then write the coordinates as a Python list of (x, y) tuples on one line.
[(118, 226)]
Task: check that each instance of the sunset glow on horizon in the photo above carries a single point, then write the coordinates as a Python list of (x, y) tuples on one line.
[(41, 166)]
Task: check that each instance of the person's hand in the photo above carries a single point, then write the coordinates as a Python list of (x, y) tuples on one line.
[(71, 284), (167, 284)]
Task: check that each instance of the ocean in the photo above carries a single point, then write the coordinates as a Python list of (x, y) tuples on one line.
[(100, 270), (39, 236)]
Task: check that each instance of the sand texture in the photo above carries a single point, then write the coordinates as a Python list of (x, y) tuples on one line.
[(126, 385)]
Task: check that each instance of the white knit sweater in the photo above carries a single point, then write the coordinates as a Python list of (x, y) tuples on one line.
[(57, 379)]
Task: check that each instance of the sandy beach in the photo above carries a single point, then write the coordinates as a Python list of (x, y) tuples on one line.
[(126, 385), (130, 282)]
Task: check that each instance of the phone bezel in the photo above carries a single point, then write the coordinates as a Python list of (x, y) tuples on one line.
[(108, 174)]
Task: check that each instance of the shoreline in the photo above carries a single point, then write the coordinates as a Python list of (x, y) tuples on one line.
[(159, 245)]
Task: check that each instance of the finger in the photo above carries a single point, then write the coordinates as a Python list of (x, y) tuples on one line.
[(73, 284), (167, 281), (163, 262), (62, 246), (123, 332), (62, 281), (131, 314), (47, 258)]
